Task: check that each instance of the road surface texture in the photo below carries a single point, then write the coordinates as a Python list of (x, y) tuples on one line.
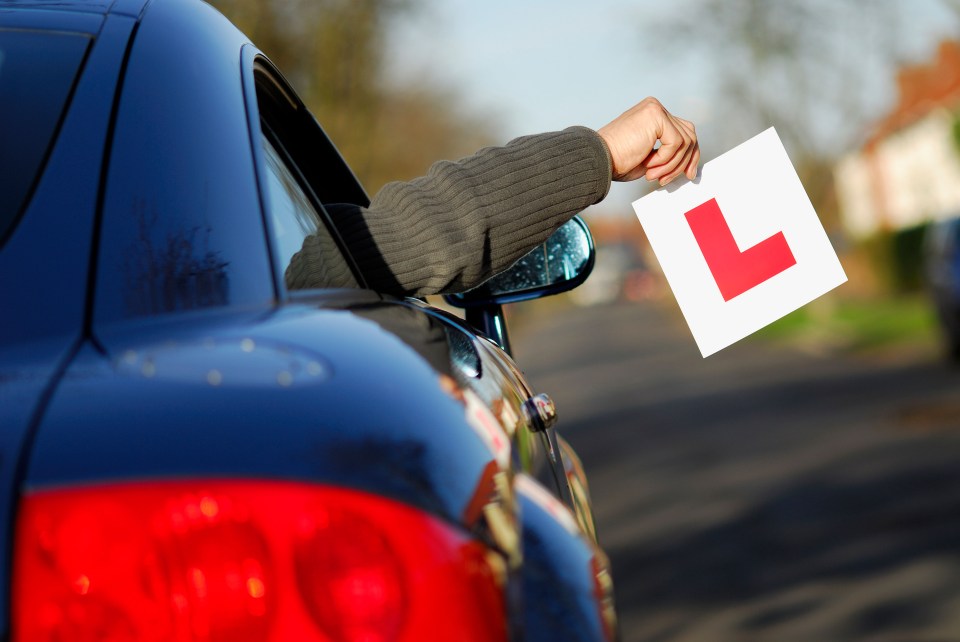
[(763, 493)]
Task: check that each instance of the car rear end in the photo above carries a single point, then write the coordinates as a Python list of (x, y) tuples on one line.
[(203, 463)]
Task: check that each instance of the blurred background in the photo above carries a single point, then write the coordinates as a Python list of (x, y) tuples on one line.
[(803, 484)]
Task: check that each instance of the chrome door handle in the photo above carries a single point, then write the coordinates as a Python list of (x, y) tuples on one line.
[(540, 412)]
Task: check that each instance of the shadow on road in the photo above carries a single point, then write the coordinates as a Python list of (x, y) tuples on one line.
[(812, 532), (761, 494)]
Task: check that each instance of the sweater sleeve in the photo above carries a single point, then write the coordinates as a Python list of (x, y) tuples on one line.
[(467, 220)]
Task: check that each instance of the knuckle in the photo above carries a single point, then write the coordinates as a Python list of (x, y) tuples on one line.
[(651, 104)]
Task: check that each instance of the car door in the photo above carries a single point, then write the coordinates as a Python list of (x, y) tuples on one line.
[(297, 221)]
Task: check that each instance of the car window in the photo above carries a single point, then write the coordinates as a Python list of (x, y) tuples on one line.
[(33, 93), (301, 171), (306, 251), (293, 216)]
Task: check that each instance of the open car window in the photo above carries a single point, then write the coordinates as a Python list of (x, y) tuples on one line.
[(305, 249), (302, 170)]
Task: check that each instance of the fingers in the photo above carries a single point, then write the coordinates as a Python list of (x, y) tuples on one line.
[(632, 141), (691, 161), (678, 145), (691, 168)]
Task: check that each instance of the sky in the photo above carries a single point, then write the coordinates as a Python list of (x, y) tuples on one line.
[(540, 65)]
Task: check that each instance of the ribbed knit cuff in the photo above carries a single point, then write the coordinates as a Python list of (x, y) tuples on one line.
[(603, 156)]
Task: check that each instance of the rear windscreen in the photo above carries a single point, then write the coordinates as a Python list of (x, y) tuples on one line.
[(37, 72)]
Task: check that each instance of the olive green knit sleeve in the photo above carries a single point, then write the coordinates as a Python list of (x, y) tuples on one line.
[(465, 221)]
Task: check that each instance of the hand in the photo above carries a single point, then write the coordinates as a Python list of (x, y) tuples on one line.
[(631, 138)]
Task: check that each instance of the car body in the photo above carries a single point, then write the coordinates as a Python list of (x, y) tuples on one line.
[(191, 450), (941, 259)]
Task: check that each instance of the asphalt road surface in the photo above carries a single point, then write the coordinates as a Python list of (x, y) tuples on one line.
[(763, 493)]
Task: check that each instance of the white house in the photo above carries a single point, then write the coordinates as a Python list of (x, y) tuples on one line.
[(908, 172)]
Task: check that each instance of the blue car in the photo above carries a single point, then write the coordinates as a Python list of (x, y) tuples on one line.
[(190, 450), (941, 258)]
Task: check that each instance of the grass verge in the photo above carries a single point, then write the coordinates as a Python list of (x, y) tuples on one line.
[(858, 326)]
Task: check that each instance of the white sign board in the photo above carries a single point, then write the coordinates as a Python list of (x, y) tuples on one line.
[(740, 245)]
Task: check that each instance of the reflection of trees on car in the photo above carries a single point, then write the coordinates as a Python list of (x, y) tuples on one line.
[(171, 271)]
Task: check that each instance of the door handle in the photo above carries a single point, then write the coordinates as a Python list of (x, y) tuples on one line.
[(540, 412)]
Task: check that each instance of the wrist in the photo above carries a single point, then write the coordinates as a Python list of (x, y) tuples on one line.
[(609, 146)]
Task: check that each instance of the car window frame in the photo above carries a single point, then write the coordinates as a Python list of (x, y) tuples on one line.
[(323, 221), (264, 82)]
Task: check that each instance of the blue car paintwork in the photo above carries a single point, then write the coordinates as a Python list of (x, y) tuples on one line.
[(301, 393), (559, 578), (45, 263), (181, 171), (106, 375)]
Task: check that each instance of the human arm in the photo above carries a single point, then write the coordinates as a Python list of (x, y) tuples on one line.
[(467, 220)]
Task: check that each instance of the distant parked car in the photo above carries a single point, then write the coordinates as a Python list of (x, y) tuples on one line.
[(192, 451), (942, 272), (620, 274)]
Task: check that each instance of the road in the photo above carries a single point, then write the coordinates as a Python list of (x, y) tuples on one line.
[(763, 493)]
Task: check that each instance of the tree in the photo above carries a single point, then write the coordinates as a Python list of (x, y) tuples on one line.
[(332, 51), (809, 68)]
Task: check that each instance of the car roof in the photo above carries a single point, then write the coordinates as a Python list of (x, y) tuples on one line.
[(83, 6), (79, 16)]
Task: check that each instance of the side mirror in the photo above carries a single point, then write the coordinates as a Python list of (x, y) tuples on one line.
[(562, 263)]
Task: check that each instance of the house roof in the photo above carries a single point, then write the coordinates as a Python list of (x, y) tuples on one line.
[(923, 88)]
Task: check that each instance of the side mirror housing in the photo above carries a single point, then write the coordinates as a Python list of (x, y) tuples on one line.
[(561, 263)]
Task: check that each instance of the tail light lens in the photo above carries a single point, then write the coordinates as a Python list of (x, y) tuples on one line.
[(246, 560)]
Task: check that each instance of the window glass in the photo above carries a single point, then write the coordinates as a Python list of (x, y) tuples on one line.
[(306, 251), (37, 71), (294, 217)]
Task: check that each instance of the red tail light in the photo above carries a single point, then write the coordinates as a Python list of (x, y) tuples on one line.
[(245, 560)]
